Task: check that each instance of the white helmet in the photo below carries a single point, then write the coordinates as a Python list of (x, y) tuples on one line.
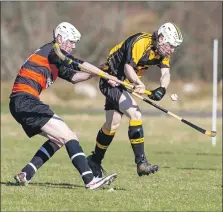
[(68, 32), (171, 34)]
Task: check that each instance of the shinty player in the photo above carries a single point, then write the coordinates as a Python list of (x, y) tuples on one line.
[(128, 61), (37, 73)]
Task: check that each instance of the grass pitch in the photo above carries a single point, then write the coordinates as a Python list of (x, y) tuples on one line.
[(190, 176)]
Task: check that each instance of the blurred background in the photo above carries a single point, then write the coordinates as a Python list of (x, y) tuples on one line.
[(191, 171), (25, 26)]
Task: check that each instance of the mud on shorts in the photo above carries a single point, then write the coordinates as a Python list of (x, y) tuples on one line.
[(30, 112), (112, 95)]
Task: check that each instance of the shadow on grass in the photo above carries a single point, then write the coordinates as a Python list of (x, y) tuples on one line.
[(193, 168), (58, 185), (46, 184), (197, 168), (186, 168), (196, 153)]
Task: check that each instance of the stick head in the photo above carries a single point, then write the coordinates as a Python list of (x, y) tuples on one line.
[(211, 133)]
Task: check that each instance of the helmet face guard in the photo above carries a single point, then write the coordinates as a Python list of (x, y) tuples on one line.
[(171, 38), (68, 46), (69, 36), (165, 49)]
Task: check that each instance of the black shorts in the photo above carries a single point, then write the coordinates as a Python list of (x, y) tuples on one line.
[(112, 95), (30, 112)]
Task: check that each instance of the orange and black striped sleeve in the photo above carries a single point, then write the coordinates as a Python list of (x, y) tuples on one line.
[(66, 71)]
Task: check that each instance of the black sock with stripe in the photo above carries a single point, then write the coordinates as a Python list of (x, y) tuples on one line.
[(103, 140), (136, 137), (45, 152), (79, 160)]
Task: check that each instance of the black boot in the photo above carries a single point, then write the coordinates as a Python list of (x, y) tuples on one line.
[(145, 168), (96, 168)]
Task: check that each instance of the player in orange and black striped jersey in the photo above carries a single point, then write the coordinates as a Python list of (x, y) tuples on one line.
[(128, 61), (41, 70), (38, 72)]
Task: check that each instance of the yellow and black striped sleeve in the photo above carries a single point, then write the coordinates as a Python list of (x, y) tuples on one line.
[(165, 63), (136, 50)]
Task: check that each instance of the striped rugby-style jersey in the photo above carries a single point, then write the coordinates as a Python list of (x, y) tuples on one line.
[(138, 51), (41, 70)]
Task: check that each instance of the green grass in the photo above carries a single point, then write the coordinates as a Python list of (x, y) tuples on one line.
[(190, 177)]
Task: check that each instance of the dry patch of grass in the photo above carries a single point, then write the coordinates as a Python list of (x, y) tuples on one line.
[(155, 128), (62, 94)]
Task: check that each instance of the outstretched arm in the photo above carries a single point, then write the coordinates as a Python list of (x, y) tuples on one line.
[(94, 69), (160, 92), (131, 74), (165, 77), (80, 77), (69, 72), (73, 65), (133, 78), (97, 71)]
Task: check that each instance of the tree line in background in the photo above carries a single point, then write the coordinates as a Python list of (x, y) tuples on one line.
[(26, 26)]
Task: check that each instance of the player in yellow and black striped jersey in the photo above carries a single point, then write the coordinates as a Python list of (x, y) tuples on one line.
[(128, 61), (139, 51)]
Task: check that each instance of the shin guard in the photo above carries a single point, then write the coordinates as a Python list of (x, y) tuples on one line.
[(136, 137), (103, 140)]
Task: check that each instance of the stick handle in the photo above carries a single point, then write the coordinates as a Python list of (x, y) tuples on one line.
[(206, 132), (86, 69), (105, 76), (130, 89)]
